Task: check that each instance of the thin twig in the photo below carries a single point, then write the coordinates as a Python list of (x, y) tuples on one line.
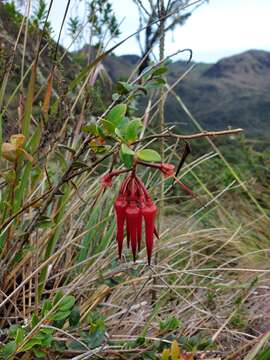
[(202, 134)]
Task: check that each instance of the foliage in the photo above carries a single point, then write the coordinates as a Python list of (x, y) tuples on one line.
[(101, 23), (63, 292)]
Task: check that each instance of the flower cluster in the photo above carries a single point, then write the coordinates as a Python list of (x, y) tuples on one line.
[(134, 206)]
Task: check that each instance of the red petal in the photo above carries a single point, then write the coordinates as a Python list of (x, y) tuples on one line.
[(132, 214), (149, 214), (120, 209)]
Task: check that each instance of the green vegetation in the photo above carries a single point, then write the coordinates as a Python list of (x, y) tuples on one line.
[(64, 293)]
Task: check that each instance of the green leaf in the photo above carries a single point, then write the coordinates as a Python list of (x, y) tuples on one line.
[(8, 349), (19, 335), (126, 155), (119, 134), (160, 71), (74, 317), (156, 84), (31, 343), (131, 130), (149, 155), (108, 126), (124, 87), (47, 331), (13, 330), (59, 323), (60, 315), (67, 303), (57, 297), (90, 129), (39, 354), (116, 114), (46, 307), (172, 323), (265, 355), (47, 340), (29, 101), (96, 338)]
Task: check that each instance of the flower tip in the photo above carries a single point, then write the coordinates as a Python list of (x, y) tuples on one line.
[(167, 169), (106, 180)]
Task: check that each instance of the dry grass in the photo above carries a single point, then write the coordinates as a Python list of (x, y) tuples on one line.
[(209, 288)]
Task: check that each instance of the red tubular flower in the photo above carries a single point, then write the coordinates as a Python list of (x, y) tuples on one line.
[(132, 215), (139, 230), (149, 213), (120, 209), (132, 205), (167, 169)]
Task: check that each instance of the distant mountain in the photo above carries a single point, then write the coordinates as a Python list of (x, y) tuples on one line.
[(233, 92)]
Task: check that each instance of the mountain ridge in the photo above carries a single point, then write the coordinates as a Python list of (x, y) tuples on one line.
[(234, 91)]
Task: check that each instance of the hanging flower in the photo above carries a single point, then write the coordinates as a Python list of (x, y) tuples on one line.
[(133, 207)]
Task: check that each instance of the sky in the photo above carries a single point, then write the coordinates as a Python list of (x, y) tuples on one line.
[(217, 29)]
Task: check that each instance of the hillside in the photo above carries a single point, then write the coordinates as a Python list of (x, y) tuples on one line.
[(232, 92)]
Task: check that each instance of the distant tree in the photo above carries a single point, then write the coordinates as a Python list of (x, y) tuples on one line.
[(102, 19), (171, 15), (74, 29), (40, 14), (100, 25)]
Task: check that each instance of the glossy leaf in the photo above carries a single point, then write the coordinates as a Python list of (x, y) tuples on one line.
[(131, 130), (119, 134), (149, 155), (67, 303), (60, 315), (116, 114), (108, 126), (126, 155)]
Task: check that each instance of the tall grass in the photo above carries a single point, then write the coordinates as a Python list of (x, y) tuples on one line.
[(63, 292)]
